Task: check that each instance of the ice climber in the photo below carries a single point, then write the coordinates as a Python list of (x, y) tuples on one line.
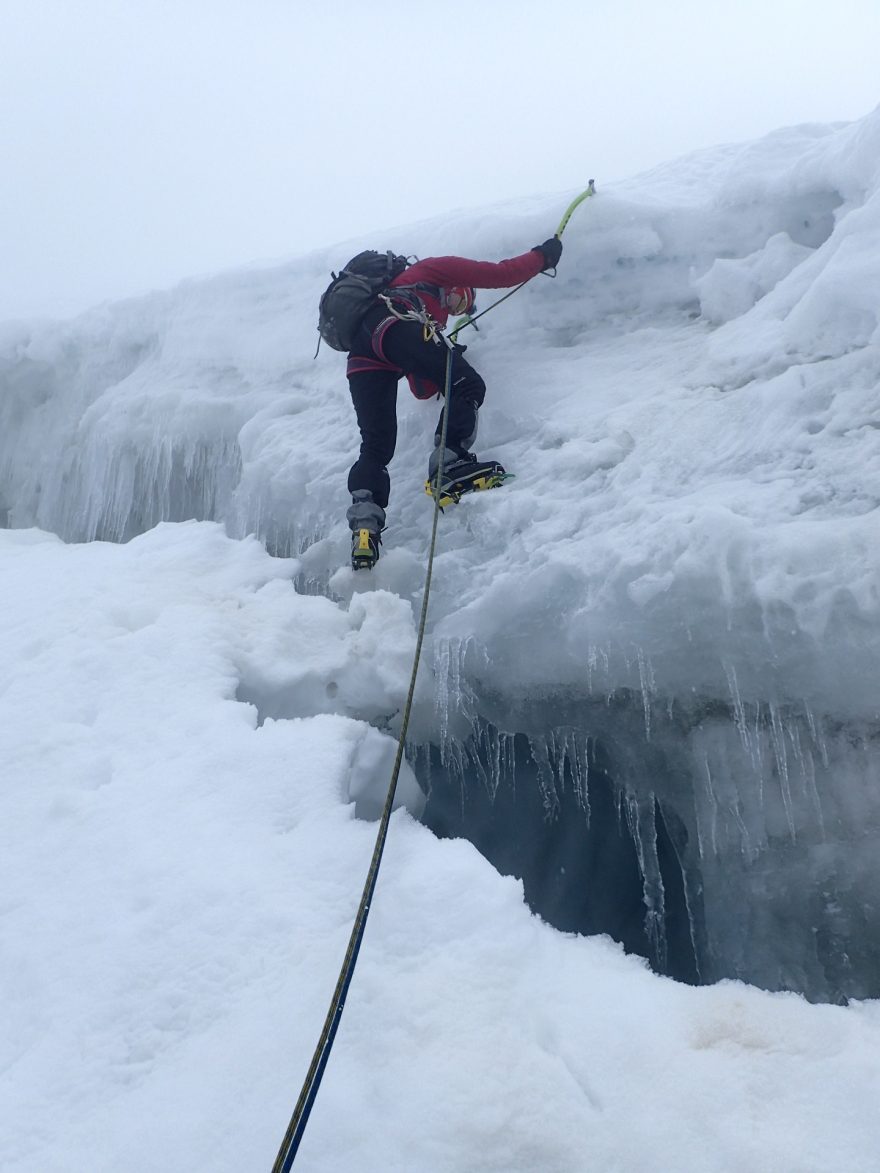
[(398, 336)]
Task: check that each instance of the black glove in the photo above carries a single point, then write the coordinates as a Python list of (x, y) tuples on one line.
[(551, 250)]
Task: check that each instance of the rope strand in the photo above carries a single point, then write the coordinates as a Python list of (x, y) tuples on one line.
[(295, 1129), (299, 1119)]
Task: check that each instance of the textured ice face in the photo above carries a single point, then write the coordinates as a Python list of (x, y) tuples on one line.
[(687, 559), (717, 838)]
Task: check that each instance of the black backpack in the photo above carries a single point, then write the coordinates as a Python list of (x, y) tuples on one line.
[(352, 292)]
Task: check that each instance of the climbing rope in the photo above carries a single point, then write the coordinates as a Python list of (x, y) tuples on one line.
[(295, 1129), (299, 1119)]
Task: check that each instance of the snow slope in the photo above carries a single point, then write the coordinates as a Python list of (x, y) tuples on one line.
[(684, 573), (179, 883)]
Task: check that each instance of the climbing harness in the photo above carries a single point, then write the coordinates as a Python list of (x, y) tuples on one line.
[(415, 313), (295, 1129)]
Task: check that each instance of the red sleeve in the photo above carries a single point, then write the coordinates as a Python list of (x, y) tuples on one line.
[(446, 271)]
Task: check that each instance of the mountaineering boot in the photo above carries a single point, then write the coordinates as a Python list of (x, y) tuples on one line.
[(462, 473), (364, 549), (366, 520)]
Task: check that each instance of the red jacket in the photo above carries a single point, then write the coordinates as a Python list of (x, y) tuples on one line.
[(442, 273), (446, 272)]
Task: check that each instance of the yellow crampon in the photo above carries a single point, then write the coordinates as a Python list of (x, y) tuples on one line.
[(446, 496), (364, 553), (451, 495), (491, 480)]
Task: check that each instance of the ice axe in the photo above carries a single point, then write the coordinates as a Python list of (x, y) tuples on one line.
[(576, 202)]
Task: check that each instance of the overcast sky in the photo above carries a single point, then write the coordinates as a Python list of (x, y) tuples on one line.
[(144, 141)]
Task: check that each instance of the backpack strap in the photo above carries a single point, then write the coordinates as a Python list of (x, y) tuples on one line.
[(410, 294)]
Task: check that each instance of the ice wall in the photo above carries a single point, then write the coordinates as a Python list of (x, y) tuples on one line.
[(717, 837), (684, 575)]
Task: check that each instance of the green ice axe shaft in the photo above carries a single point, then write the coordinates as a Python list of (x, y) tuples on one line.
[(576, 202), (461, 323)]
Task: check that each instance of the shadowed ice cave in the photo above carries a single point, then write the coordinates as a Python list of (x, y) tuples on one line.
[(578, 858), (702, 846)]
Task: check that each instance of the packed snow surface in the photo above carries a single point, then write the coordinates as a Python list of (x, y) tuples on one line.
[(179, 883), (684, 575)]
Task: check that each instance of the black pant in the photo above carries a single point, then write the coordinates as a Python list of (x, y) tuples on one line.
[(374, 394)]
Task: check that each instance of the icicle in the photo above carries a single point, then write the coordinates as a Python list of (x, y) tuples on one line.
[(713, 807), (739, 714), (807, 769), (494, 741), (477, 751), (758, 759), (580, 770), (691, 902), (546, 782), (454, 666), (817, 735), (508, 759), (642, 822), (778, 739), (646, 679), (569, 750), (441, 692)]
